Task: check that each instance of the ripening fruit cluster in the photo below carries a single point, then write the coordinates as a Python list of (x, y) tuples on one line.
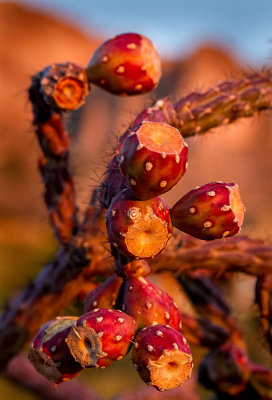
[(149, 322), (127, 310)]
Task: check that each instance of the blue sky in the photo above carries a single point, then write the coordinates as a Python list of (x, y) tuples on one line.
[(176, 26)]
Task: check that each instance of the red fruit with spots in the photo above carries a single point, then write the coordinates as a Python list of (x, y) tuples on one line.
[(149, 305), (49, 352), (212, 211), (138, 228), (153, 159), (105, 295), (127, 64), (101, 337), (162, 357)]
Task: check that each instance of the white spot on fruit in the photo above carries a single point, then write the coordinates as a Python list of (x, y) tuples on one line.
[(150, 348), (118, 338), (130, 288), (148, 305), (225, 207), (122, 158), (136, 345), (159, 333), (163, 155), (99, 319), (163, 184), (120, 69), (175, 346), (105, 59), (138, 87), (148, 166), (131, 46), (113, 212), (192, 210), (134, 213), (226, 233), (140, 146), (132, 182), (121, 320), (177, 158), (211, 193), (207, 224), (53, 348), (167, 315), (94, 303), (136, 366), (100, 334)]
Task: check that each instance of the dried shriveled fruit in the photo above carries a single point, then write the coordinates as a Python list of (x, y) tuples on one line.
[(138, 228), (162, 357), (126, 64), (212, 211), (49, 352), (153, 159), (101, 337), (148, 304)]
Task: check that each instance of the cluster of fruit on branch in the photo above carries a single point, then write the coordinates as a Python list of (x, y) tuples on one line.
[(127, 310)]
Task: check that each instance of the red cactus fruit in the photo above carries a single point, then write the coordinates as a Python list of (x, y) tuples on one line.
[(162, 357), (149, 305), (225, 369), (126, 64), (138, 228), (101, 337), (49, 352), (212, 211), (153, 159), (105, 295)]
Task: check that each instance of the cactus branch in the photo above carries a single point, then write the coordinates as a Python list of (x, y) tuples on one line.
[(61, 87)]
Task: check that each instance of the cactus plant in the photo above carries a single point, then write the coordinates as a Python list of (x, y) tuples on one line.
[(139, 226)]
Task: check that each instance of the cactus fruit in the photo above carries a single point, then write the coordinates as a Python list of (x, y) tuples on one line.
[(149, 305), (101, 337), (105, 295), (138, 228), (212, 211), (126, 64), (162, 357), (225, 369), (49, 352), (64, 86), (153, 159)]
